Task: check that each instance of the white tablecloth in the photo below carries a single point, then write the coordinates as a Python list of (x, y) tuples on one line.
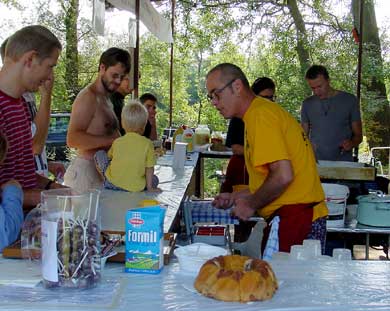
[(304, 285), (173, 183)]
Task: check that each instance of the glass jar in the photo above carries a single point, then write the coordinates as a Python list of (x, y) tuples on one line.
[(70, 229), (202, 135), (188, 137), (217, 142), (216, 138)]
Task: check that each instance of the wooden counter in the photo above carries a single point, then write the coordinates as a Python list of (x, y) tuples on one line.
[(345, 170)]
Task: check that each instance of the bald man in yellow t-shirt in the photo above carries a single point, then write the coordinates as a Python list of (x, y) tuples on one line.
[(283, 178)]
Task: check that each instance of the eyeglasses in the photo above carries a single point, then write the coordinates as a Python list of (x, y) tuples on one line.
[(215, 94)]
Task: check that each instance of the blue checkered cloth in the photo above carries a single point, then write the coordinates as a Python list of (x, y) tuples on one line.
[(272, 245), (203, 211)]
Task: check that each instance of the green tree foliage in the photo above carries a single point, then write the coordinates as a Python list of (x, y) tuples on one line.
[(71, 10), (375, 103), (274, 38)]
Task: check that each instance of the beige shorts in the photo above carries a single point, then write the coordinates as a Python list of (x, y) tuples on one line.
[(82, 175)]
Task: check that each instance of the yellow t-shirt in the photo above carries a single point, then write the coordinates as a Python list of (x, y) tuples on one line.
[(130, 155), (272, 134)]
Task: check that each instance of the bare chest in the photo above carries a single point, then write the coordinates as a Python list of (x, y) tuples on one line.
[(104, 121)]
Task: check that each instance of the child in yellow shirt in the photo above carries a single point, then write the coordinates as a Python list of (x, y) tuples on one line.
[(129, 164)]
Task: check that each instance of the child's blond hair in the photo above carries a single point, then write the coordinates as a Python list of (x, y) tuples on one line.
[(134, 117), (3, 147)]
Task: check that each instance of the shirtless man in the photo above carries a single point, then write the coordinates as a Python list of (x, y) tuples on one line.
[(93, 124)]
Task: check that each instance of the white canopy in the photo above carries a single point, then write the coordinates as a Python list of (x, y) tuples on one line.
[(154, 22)]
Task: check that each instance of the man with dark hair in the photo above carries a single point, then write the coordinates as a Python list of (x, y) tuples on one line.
[(150, 102), (264, 87), (31, 53), (316, 70), (331, 118), (93, 124), (284, 186)]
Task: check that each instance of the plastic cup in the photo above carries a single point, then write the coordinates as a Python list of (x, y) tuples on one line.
[(352, 211), (342, 254), (312, 248), (179, 155), (298, 252)]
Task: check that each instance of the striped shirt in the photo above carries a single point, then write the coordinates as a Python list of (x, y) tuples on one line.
[(16, 126)]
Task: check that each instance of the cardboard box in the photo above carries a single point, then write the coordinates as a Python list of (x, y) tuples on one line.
[(144, 241)]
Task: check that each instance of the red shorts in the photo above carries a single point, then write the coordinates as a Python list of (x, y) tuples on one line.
[(294, 226)]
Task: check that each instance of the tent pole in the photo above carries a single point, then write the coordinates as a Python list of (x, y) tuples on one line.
[(171, 68), (136, 50), (359, 77), (355, 151)]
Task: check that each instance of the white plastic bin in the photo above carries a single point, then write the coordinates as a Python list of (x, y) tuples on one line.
[(336, 200)]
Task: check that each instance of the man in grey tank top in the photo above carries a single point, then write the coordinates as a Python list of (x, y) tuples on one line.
[(331, 118)]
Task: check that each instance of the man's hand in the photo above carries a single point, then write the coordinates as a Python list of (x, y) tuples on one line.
[(57, 169), (156, 190), (238, 149), (31, 198), (244, 207), (55, 185), (223, 200), (46, 88), (346, 145), (152, 118), (357, 137)]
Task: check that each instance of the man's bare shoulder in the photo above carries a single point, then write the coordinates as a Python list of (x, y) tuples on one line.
[(83, 109), (86, 97)]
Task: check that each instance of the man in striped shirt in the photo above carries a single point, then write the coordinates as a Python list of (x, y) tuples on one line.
[(30, 56), (40, 121)]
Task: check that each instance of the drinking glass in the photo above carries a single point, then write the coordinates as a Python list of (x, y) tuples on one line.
[(297, 252), (342, 254), (312, 248)]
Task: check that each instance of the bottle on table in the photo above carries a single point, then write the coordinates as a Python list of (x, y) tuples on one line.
[(188, 137)]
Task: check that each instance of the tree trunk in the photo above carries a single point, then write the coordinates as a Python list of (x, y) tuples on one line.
[(302, 42), (374, 103), (71, 53)]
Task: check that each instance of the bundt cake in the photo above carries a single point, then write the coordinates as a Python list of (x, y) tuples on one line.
[(236, 278)]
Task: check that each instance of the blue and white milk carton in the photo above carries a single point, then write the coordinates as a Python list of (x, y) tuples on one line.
[(145, 240)]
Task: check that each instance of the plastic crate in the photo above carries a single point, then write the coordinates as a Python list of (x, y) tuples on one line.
[(211, 234)]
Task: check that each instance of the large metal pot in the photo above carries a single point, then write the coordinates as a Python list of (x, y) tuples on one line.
[(374, 210)]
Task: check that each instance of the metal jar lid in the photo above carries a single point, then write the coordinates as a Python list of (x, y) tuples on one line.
[(378, 197)]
